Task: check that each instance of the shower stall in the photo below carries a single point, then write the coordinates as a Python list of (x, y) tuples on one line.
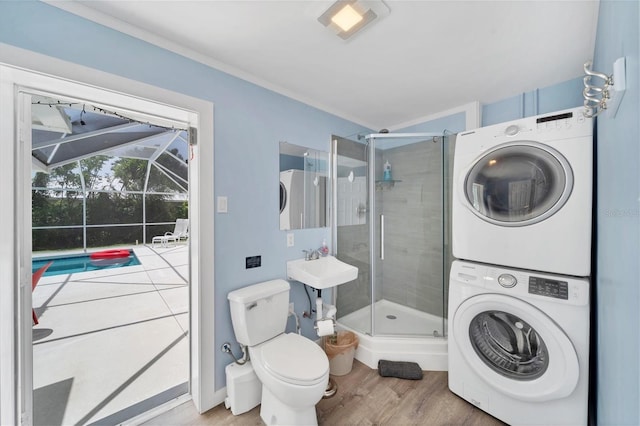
[(391, 219)]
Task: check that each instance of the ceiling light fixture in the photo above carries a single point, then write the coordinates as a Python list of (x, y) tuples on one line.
[(347, 17)]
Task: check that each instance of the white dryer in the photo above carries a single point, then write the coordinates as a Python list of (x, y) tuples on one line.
[(519, 343), (522, 193)]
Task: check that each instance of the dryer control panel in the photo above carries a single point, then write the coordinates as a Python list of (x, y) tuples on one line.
[(559, 121), (557, 126)]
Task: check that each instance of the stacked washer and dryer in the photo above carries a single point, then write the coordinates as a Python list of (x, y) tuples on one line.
[(519, 293)]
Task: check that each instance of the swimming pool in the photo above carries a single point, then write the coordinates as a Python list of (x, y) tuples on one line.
[(71, 264)]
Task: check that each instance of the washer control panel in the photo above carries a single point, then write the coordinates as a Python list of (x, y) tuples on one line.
[(471, 278), (548, 287)]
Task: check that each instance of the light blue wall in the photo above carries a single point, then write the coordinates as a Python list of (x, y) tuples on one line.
[(454, 123), (288, 162), (249, 123), (618, 217), (560, 96), (564, 95)]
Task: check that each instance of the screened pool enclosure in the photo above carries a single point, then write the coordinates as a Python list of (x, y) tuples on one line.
[(101, 178)]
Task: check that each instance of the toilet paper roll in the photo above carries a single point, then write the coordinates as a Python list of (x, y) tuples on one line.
[(325, 327)]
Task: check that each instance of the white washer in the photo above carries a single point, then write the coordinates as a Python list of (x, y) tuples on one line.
[(522, 194), (519, 343)]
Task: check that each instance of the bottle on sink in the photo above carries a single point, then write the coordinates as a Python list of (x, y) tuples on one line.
[(324, 250)]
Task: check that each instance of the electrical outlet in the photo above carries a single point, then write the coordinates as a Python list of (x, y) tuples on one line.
[(291, 311), (290, 239)]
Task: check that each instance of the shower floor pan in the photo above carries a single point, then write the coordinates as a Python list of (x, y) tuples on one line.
[(401, 335)]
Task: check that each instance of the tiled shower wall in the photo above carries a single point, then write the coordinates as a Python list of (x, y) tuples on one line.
[(412, 270)]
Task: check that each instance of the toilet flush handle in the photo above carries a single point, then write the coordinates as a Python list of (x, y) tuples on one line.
[(251, 306)]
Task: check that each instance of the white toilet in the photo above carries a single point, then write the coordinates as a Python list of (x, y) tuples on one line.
[(294, 370)]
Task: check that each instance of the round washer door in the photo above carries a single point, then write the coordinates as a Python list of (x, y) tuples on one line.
[(516, 348), (518, 183)]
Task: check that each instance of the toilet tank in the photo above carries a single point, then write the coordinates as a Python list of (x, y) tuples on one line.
[(259, 312)]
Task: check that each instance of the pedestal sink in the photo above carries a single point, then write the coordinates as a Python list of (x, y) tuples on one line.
[(321, 273)]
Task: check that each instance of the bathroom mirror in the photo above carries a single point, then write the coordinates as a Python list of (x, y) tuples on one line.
[(303, 187)]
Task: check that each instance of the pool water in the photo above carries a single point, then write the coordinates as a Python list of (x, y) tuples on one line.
[(72, 264)]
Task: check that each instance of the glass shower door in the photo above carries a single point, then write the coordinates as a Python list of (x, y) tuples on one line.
[(392, 224), (407, 262), (351, 230)]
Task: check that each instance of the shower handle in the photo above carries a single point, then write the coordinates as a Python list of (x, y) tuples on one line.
[(381, 237)]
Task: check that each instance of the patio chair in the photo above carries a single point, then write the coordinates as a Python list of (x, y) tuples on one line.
[(35, 277), (180, 232)]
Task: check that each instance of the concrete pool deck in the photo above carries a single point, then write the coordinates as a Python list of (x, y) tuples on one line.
[(111, 343)]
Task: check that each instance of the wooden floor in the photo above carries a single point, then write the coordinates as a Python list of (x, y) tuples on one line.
[(363, 398)]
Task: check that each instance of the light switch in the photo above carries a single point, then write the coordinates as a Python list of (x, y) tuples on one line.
[(222, 204)]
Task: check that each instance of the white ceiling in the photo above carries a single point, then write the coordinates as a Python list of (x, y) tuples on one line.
[(425, 57)]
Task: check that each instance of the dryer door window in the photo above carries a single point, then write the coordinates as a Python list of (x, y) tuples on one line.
[(508, 345), (519, 183), (283, 197)]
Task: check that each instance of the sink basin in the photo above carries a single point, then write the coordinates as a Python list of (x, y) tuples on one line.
[(321, 273)]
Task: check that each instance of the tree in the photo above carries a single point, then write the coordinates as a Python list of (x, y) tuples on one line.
[(130, 173), (91, 168), (108, 182)]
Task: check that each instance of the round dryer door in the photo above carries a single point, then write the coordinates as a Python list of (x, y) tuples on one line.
[(518, 183), (283, 196), (516, 348)]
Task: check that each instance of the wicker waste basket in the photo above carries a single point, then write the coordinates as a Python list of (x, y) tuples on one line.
[(340, 350)]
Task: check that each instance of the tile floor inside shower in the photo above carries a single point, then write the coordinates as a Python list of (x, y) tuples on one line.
[(112, 344), (394, 319)]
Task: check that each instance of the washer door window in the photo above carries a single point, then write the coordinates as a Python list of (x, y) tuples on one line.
[(519, 183), (508, 345), (515, 348)]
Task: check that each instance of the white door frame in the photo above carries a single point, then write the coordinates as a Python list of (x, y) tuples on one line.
[(25, 72)]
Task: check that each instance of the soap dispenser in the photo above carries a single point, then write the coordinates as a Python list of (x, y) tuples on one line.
[(386, 171), (324, 250)]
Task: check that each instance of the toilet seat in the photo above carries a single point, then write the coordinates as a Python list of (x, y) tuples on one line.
[(293, 359)]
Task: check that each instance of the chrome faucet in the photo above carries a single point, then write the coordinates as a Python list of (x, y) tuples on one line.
[(311, 254)]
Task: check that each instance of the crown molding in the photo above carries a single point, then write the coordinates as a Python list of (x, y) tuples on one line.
[(164, 43)]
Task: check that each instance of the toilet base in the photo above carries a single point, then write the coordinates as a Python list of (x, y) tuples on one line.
[(275, 412)]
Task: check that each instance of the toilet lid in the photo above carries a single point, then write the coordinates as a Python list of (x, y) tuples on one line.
[(294, 358)]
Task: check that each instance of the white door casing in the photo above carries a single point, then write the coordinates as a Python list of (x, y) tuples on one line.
[(76, 82)]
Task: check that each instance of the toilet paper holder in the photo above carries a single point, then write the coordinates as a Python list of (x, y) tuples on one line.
[(324, 326), (325, 323)]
